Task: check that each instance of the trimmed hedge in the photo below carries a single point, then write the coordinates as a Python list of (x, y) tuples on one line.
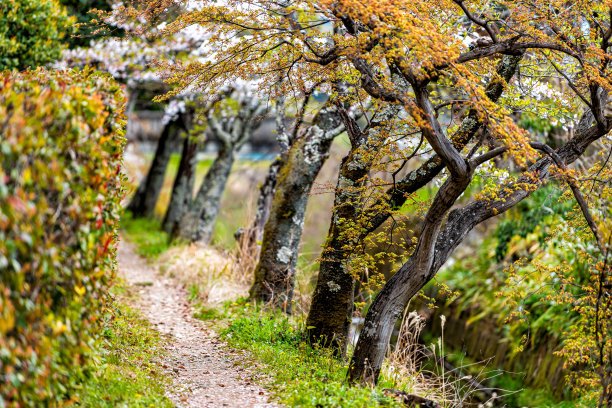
[(61, 182)]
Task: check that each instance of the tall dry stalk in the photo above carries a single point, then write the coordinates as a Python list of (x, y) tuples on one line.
[(246, 254), (404, 366)]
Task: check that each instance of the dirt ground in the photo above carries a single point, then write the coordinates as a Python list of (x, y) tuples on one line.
[(205, 372)]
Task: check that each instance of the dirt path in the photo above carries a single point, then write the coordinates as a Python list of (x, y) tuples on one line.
[(205, 372)]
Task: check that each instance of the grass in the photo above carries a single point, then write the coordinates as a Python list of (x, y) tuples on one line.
[(127, 374), (146, 235), (301, 375)]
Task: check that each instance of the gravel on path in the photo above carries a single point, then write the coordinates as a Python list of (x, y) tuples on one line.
[(205, 372)]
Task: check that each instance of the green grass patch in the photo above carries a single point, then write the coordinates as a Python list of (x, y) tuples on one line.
[(302, 375), (127, 374), (208, 313), (146, 234)]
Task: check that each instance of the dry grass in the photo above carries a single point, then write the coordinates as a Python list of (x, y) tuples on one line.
[(404, 365), (246, 253), (213, 275), (404, 368), (206, 271)]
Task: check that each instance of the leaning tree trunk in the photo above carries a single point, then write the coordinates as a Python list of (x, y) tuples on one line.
[(438, 245), (197, 225), (391, 301), (332, 303), (275, 271), (145, 199), (182, 190)]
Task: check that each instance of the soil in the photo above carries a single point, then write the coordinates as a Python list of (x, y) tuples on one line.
[(205, 371)]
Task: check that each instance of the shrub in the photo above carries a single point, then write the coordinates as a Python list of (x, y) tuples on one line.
[(61, 143), (31, 32)]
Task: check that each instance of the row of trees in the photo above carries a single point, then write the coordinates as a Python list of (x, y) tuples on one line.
[(429, 95)]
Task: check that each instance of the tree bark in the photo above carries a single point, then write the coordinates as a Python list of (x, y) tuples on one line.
[(197, 225), (182, 190), (145, 199), (413, 275), (275, 271)]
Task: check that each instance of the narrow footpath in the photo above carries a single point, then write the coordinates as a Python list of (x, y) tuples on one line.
[(204, 372)]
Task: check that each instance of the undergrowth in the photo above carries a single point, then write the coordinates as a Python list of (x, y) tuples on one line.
[(510, 385), (127, 373), (302, 375)]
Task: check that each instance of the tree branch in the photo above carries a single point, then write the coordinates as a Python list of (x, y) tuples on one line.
[(217, 129), (435, 136), (477, 20), (477, 161), (461, 221), (584, 207), (432, 167)]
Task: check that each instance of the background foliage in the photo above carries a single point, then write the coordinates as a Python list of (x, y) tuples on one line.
[(32, 32), (80, 9)]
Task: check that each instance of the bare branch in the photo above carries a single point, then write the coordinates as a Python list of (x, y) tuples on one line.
[(435, 136), (478, 21), (217, 129), (477, 161)]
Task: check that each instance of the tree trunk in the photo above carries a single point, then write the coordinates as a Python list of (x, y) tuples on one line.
[(330, 312), (182, 190), (391, 301), (145, 199), (197, 224), (254, 234), (275, 271)]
